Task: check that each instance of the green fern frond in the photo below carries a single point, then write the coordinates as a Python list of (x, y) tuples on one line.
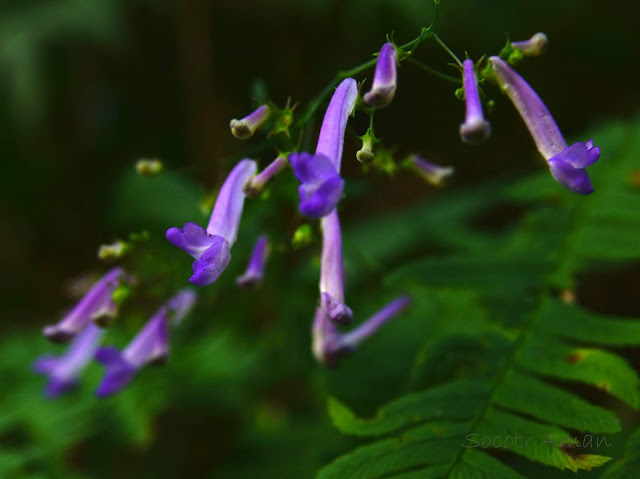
[(505, 356)]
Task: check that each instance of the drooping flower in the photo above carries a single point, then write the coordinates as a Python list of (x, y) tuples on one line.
[(567, 163), (475, 128), (384, 79), (256, 184), (63, 371), (246, 127), (151, 345), (332, 273), (210, 248), (255, 270), (322, 186), (329, 344), (534, 46), (96, 305), (434, 174)]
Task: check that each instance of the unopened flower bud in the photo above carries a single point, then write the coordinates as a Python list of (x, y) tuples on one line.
[(110, 252), (246, 127), (475, 128), (365, 154), (384, 79), (534, 46), (149, 166), (255, 185), (434, 174)]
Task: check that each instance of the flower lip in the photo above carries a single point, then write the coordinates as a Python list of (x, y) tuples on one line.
[(337, 311), (384, 84), (568, 167), (211, 263), (321, 186)]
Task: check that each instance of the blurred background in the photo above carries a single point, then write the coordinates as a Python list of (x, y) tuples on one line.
[(91, 86)]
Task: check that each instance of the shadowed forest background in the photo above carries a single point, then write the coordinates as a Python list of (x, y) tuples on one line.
[(91, 86)]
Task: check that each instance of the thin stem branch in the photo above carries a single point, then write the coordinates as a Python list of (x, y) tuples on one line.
[(446, 48), (434, 72)]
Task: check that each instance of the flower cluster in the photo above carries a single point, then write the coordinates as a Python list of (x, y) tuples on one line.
[(321, 188), (150, 345)]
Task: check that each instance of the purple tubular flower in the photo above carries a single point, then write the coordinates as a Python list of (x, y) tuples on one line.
[(475, 128), (255, 270), (384, 80), (434, 174), (97, 305), (255, 186), (332, 273), (151, 345), (322, 187), (329, 344), (534, 46), (567, 163), (211, 248), (246, 127), (63, 371)]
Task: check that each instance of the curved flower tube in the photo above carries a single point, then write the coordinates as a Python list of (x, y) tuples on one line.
[(329, 344), (567, 163), (151, 345), (332, 273), (321, 185), (210, 249), (96, 305)]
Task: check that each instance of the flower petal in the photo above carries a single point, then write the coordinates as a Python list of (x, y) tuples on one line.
[(192, 238), (212, 263), (318, 201), (574, 179)]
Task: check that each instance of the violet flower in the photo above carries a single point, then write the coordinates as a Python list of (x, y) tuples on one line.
[(97, 305), (329, 344), (475, 128), (151, 345), (246, 127), (534, 46), (434, 174), (63, 371), (210, 248), (255, 271), (567, 163), (256, 184), (322, 186), (332, 273), (384, 79)]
